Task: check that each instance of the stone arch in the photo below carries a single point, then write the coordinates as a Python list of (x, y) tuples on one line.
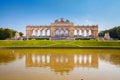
[(67, 32), (85, 33), (80, 32), (38, 32), (43, 32), (62, 32), (34, 32), (47, 32), (90, 32), (57, 32), (75, 32)]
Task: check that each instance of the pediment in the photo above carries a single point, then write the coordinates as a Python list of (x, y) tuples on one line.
[(61, 22)]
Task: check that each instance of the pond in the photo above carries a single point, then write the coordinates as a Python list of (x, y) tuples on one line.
[(59, 64)]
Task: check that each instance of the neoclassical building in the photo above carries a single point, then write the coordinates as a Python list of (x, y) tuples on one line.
[(62, 30)]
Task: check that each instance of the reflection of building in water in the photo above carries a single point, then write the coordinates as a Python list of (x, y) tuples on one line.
[(112, 58), (9, 56), (61, 62), (86, 61), (35, 60)]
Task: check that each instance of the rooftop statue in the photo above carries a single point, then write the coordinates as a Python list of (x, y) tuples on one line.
[(107, 36), (17, 36)]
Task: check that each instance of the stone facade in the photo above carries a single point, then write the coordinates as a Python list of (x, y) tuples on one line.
[(62, 29)]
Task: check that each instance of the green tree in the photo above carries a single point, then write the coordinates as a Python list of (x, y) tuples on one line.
[(1, 33), (6, 33), (114, 32), (118, 32), (21, 34)]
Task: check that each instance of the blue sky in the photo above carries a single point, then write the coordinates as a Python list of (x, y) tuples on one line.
[(16, 14)]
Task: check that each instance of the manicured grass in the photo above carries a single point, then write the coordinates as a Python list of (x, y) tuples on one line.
[(58, 43), (5, 52)]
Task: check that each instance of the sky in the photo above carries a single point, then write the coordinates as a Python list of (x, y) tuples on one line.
[(17, 14)]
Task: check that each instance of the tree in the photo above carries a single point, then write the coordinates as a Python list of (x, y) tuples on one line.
[(118, 32), (1, 33), (114, 32), (6, 33), (21, 34)]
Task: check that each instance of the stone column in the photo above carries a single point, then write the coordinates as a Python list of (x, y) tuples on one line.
[(87, 33), (77, 32), (28, 32), (71, 31), (82, 33), (45, 32), (36, 32), (52, 31)]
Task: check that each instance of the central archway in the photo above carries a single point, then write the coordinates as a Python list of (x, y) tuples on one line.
[(62, 33), (57, 33), (66, 33)]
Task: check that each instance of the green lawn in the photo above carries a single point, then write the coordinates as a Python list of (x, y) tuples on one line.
[(58, 43)]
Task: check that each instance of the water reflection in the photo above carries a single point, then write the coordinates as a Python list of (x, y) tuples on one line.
[(9, 56), (112, 58), (62, 62), (74, 62)]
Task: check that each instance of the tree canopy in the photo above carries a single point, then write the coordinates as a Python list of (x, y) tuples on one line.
[(114, 32), (7, 33)]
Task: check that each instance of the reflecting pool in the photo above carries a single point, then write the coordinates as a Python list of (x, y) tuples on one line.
[(59, 64)]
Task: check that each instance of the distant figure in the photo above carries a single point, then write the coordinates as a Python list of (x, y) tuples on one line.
[(107, 36), (17, 36)]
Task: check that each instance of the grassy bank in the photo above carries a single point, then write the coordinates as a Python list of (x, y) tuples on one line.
[(59, 51), (58, 43)]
